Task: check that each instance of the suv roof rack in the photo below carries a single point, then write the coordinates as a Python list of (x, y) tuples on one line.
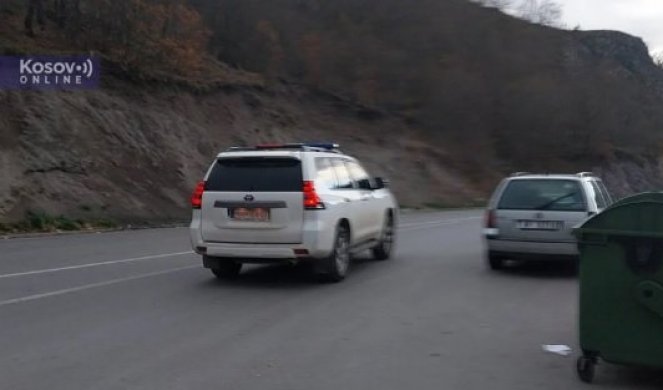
[(305, 147), (586, 174), (516, 174)]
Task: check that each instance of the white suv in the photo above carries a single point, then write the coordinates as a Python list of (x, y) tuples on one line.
[(288, 203)]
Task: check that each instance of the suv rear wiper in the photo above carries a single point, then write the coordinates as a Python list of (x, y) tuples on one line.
[(552, 202)]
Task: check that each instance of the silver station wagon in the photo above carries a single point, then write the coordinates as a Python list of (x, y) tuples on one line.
[(532, 216)]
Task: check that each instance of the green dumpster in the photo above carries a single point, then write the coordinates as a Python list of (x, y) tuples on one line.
[(621, 285)]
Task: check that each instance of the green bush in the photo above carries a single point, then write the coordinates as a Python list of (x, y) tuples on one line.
[(63, 223), (106, 224), (39, 221)]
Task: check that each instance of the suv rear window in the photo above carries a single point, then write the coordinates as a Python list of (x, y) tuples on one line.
[(256, 174), (543, 194)]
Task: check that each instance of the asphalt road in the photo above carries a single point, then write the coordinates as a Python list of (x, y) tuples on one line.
[(135, 310)]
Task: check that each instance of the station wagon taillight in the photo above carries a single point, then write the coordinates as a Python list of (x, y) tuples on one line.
[(197, 196), (491, 219), (311, 199)]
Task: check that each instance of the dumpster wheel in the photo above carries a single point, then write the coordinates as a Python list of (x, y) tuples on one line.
[(586, 368)]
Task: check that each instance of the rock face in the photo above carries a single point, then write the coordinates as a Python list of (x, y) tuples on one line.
[(629, 51), (627, 55)]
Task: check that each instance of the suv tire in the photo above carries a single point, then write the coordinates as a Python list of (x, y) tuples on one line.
[(386, 245), (335, 267), (226, 269)]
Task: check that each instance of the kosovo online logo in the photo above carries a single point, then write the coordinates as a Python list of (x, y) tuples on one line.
[(49, 72)]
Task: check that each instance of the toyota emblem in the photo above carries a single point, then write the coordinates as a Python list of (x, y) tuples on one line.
[(249, 198)]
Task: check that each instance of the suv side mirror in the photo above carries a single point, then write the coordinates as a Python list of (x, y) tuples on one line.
[(365, 184), (381, 183)]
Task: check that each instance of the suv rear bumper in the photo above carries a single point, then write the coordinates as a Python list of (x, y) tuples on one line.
[(317, 242), (213, 262), (251, 251), (527, 249)]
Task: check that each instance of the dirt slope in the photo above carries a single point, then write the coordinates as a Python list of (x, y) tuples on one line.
[(135, 154)]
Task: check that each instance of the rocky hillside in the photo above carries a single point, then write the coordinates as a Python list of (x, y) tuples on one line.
[(444, 98), (135, 154)]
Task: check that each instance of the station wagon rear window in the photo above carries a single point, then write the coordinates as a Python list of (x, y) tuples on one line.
[(256, 174), (553, 195)]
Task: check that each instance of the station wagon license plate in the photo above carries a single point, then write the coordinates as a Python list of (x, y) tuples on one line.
[(245, 214), (540, 225)]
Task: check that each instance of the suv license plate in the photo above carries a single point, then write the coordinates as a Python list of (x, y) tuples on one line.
[(540, 225), (249, 214)]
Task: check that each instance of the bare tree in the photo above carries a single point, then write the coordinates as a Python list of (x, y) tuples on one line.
[(545, 12), (35, 11), (658, 58)]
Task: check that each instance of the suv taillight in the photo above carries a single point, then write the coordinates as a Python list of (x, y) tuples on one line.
[(311, 199), (491, 219), (197, 196)]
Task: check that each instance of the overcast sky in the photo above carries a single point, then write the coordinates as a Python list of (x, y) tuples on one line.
[(643, 18)]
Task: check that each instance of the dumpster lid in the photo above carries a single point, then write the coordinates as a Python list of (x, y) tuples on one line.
[(645, 196)]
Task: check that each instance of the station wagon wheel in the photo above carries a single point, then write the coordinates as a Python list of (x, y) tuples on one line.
[(227, 270), (495, 262), (335, 267), (384, 248)]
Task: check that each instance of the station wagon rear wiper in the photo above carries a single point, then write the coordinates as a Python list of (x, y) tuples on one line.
[(552, 202)]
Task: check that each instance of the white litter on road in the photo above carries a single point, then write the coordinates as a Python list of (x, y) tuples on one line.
[(563, 350)]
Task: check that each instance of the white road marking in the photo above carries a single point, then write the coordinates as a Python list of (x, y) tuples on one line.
[(93, 285), (419, 226), (120, 261)]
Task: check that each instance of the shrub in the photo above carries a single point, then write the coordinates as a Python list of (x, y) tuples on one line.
[(142, 34)]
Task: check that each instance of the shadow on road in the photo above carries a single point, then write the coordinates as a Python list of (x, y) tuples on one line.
[(613, 376), (543, 269), (280, 276)]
